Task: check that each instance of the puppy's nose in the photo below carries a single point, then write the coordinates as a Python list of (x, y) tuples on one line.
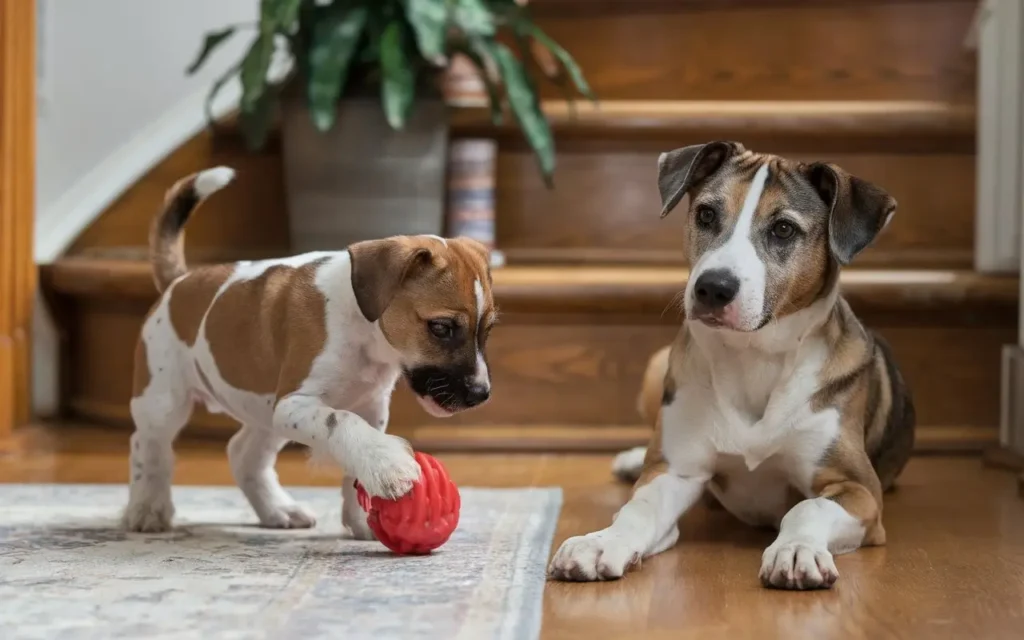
[(716, 288), (477, 394)]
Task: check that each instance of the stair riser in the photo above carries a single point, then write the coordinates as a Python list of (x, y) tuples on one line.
[(791, 51), (572, 371)]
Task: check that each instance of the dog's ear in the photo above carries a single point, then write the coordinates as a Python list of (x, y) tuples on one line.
[(858, 210), (682, 169), (380, 268)]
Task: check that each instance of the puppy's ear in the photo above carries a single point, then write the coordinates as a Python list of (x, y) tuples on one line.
[(682, 169), (380, 268), (858, 210)]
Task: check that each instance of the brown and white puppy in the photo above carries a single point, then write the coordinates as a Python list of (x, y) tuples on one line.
[(307, 349), (773, 397)]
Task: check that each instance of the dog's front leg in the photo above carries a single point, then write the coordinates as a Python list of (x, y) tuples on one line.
[(375, 412), (646, 525), (383, 464), (844, 516)]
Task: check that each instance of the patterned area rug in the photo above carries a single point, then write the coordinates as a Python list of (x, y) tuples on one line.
[(67, 571)]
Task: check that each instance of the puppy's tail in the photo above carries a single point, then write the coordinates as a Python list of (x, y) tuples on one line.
[(166, 237)]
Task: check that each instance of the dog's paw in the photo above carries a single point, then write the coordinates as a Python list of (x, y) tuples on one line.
[(388, 468), (798, 564), (629, 464), (355, 521), (595, 556), (149, 517), (290, 516)]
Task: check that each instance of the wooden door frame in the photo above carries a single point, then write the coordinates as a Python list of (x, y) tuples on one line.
[(17, 210)]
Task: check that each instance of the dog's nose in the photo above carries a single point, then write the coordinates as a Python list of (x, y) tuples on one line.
[(477, 394), (716, 288)]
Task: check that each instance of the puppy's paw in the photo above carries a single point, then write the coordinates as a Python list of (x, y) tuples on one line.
[(289, 516), (149, 517), (797, 564), (388, 468), (629, 464), (595, 556), (355, 521)]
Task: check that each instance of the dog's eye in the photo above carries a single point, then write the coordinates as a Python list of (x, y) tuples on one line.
[(706, 216), (783, 230), (441, 329)]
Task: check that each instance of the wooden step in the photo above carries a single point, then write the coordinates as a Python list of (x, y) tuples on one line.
[(569, 353)]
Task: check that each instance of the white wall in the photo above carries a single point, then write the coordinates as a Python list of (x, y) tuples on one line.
[(113, 101), (114, 98)]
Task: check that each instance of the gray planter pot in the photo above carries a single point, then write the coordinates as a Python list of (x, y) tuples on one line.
[(362, 180)]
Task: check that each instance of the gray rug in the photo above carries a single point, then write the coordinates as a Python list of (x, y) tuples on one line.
[(68, 572)]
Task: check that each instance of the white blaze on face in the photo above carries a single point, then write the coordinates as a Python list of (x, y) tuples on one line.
[(481, 377), (439, 239), (739, 257)]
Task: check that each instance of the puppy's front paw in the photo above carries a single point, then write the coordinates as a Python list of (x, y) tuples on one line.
[(388, 468), (797, 564), (288, 516), (595, 556), (148, 517), (354, 519)]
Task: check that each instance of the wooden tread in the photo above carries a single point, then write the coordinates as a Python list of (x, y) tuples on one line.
[(601, 289), (805, 126)]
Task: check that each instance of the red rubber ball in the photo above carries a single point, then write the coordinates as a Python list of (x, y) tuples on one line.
[(421, 520)]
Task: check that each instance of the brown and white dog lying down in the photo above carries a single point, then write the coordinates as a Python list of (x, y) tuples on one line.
[(305, 349), (773, 397)]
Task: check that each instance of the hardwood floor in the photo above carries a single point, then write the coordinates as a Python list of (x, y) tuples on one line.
[(954, 566)]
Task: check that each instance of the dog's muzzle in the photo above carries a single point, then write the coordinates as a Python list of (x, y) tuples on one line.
[(443, 392)]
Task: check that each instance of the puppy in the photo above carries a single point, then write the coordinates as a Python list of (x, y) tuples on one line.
[(773, 397), (307, 349)]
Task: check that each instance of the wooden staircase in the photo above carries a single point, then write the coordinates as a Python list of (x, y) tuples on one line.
[(882, 88)]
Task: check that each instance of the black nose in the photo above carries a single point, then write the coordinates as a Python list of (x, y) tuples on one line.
[(477, 394), (716, 288)]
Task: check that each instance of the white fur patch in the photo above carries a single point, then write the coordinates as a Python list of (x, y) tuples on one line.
[(439, 239), (482, 376), (213, 180), (739, 257)]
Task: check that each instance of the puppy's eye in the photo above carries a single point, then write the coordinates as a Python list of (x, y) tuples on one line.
[(441, 329), (706, 216), (783, 230)]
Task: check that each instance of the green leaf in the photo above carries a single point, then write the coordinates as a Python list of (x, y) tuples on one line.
[(213, 40), (279, 14), (429, 20), (255, 119), (215, 89), (330, 54), (254, 69), (476, 53), (526, 108), (566, 60), (474, 17), (398, 86)]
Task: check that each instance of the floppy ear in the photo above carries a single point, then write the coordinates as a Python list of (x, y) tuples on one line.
[(682, 169), (380, 268), (858, 210)]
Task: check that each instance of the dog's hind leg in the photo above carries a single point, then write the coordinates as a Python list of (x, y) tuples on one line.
[(252, 453), (159, 414)]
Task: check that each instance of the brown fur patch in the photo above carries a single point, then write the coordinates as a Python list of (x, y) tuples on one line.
[(440, 289), (191, 298), (655, 387), (265, 333)]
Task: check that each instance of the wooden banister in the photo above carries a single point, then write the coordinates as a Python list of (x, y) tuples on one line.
[(17, 209)]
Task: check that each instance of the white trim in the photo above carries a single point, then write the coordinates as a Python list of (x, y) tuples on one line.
[(59, 224), (1000, 156)]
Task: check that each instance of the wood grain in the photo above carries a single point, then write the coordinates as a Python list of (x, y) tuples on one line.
[(17, 209), (921, 585), (785, 51)]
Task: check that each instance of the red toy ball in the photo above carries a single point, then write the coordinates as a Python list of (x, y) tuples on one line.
[(421, 520)]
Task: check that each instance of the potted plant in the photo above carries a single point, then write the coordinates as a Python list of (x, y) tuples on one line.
[(363, 121)]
